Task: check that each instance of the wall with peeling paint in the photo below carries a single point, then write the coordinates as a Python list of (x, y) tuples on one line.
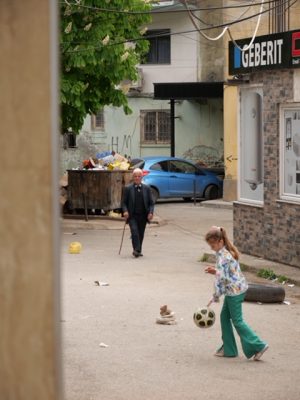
[(198, 127)]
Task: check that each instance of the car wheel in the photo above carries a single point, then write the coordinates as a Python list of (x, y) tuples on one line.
[(155, 194), (187, 199), (211, 192), (265, 293)]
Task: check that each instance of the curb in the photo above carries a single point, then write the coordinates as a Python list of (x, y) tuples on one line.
[(102, 223), (221, 204), (292, 273)]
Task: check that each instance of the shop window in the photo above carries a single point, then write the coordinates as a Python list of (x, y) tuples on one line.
[(155, 127), (290, 152), (98, 121), (159, 47)]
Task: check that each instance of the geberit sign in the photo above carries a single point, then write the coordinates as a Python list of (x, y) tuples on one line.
[(277, 51)]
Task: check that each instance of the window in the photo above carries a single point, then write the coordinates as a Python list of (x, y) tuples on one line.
[(159, 47), (69, 140), (72, 139), (161, 166), (98, 121), (290, 152), (155, 127), (182, 167)]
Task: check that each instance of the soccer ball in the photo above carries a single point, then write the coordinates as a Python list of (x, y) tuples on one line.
[(204, 317)]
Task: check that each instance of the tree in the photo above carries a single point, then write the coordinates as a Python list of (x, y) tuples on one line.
[(96, 55)]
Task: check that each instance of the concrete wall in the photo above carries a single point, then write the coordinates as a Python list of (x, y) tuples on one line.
[(244, 29), (211, 53), (29, 248), (199, 132), (272, 230), (184, 55)]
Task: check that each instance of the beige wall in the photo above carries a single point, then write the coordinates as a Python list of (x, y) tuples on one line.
[(211, 54), (28, 231), (183, 67), (242, 30), (231, 100), (214, 66), (295, 16)]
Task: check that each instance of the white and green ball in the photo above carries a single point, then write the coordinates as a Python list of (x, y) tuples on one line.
[(204, 317)]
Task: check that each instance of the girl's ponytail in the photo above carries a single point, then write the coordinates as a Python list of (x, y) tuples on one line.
[(229, 246)]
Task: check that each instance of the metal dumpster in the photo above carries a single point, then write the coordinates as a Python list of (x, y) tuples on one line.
[(96, 189)]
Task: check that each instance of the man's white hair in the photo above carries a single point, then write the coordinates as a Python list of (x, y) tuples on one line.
[(137, 171)]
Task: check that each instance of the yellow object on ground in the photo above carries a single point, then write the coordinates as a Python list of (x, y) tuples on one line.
[(75, 248), (113, 214)]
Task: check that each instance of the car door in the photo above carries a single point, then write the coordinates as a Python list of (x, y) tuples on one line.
[(182, 178), (158, 178)]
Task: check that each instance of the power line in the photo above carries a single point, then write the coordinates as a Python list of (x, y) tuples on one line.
[(245, 48), (223, 14), (227, 27), (153, 11), (183, 32)]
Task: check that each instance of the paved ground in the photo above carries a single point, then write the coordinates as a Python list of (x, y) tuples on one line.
[(154, 362)]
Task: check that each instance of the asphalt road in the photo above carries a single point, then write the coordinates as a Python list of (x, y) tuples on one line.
[(144, 360)]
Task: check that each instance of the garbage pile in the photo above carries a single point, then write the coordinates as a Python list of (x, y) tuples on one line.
[(87, 193), (107, 161), (167, 316)]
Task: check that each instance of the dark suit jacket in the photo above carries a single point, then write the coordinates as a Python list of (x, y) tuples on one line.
[(128, 199)]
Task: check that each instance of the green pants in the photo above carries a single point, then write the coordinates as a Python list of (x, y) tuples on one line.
[(231, 314)]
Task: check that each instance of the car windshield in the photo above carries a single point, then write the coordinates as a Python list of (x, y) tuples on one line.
[(137, 163)]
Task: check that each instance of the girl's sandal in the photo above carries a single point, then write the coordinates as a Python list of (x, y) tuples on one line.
[(258, 355), (220, 352)]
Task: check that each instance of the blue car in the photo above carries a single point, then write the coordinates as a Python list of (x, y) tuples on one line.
[(176, 177)]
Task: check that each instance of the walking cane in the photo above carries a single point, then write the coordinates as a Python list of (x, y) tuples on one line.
[(122, 237)]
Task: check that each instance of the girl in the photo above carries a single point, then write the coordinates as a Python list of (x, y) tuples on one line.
[(231, 282)]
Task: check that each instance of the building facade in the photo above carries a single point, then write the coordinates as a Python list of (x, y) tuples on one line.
[(198, 122), (266, 117), (267, 224)]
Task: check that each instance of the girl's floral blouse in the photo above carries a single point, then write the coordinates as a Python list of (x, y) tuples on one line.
[(229, 278)]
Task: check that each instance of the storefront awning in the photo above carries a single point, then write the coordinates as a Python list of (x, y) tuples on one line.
[(188, 90)]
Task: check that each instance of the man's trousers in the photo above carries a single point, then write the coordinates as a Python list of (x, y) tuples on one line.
[(137, 225)]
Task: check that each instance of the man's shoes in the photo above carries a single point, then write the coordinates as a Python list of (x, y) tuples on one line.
[(258, 355), (137, 253)]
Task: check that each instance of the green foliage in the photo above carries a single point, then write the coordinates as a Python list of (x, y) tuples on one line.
[(94, 57), (267, 274), (282, 278), (270, 274)]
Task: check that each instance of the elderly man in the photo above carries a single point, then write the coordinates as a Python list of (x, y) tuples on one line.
[(138, 207)]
